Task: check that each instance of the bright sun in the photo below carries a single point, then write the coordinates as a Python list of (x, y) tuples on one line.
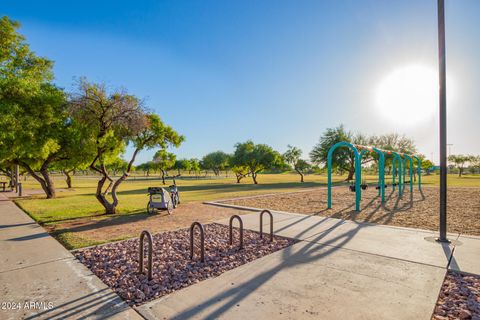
[(408, 95)]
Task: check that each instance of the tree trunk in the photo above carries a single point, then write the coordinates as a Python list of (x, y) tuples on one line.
[(163, 176), (45, 180), (100, 195), (110, 183), (301, 175), (68, 178), (350, 175), (239, 176), (111, 208), (254, 177), (460, 172)]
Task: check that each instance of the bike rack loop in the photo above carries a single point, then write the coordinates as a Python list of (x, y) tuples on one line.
[(231, 229), (202, 240), (150, 252), (271, 224)]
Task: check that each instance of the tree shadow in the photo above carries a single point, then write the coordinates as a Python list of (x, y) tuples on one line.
[(103, 303), (300, 253)]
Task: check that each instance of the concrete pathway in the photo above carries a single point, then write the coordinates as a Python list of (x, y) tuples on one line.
[(341, 270), (40, 279), (338, 270)]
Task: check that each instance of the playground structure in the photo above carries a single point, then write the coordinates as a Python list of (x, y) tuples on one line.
[(399, 165)]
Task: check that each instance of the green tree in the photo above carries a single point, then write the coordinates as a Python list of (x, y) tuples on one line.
[(112, 121), (342, 159), (182, 164), (460, 161), (216, 161), (35, 129), (255, 157), (293, 157), (117, 165), (146, 167), (195, 166), (164, 161), (394, 142)]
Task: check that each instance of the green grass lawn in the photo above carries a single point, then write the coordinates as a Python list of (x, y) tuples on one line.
[(80, 201)]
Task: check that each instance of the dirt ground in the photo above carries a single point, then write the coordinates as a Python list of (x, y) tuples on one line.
[(418, 210), (123, 226)]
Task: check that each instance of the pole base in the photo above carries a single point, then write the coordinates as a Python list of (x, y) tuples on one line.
[(443, 240)]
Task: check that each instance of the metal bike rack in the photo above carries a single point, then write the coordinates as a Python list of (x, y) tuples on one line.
[(241, 229), (147, 234), (271, 224), (202, 240)]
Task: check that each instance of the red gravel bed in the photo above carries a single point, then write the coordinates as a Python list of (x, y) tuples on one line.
[(117, 263), (459, 298)]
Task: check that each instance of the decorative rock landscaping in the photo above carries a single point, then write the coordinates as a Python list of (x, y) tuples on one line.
[(117, 263), (459, 298)]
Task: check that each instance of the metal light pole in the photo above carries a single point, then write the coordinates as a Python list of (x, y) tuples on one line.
[(443, 121)]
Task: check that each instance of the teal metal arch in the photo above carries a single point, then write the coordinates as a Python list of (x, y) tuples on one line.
[(397, 159), (407, 157), (381, 168), (419, 172), (358, 173)]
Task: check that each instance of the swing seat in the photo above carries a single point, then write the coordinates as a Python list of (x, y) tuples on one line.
[(352, 188)]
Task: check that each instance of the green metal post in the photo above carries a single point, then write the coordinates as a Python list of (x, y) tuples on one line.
[(358, 174), (398, 160), (419, 172), (407, 157), (381, 170)]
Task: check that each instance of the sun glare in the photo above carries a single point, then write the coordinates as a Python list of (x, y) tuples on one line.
[(408, 95)]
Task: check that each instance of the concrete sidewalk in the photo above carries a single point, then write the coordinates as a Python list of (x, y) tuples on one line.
[(341, 270), (40, 279)]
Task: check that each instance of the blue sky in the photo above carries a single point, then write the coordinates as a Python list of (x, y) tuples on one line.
[(277, 72)]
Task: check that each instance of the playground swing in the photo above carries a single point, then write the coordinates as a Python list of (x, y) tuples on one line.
[(398, 165)]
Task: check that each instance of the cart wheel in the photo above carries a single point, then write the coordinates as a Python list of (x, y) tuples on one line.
[(174, 200), (169, 207), (150, 210), (178, 198)]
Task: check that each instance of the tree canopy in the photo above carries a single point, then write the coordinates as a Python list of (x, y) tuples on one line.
[(255, 157), (460, 161), (216, 161), (111, 121), (293, 157), (36, 131), (343, 158), (164, 161)]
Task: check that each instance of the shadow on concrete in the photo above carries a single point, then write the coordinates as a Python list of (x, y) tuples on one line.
[(4, 226), (30, 237), (103, 303), (310, 251)]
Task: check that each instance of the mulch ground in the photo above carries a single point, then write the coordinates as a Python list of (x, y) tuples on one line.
[(418, 210), (117, 264), (459, 298)]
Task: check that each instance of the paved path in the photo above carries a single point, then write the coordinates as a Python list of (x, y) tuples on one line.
[(340, 270), (40, 279)]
